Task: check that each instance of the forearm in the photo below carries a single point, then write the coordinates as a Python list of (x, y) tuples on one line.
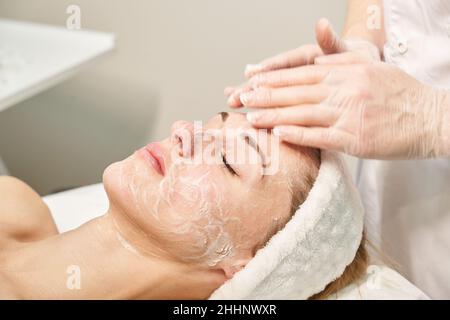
[(365, 21), (445, 126)]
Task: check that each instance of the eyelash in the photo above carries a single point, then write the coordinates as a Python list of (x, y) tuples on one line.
[(232, 171)]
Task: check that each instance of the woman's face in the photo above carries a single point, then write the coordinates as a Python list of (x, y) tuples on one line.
[(208, 195)]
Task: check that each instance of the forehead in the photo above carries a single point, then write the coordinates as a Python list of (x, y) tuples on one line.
[(234, 126)]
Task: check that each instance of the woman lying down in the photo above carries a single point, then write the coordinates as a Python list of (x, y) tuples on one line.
[(177, 228)]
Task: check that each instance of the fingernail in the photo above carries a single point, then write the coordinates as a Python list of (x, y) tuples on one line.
[(233, 101), (253, 117), (253, 68), (320, 60), (247, 98), (279, 132), (230, 100), (255, 86), (257, 81), (228, 90)]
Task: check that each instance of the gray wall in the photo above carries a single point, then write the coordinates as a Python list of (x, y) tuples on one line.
[(173, 60)]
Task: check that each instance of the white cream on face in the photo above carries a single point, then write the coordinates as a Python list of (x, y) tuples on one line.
[(186, 207), (193, 205), (192, 215)]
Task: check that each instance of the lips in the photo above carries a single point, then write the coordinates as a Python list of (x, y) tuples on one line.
[(154, 155)]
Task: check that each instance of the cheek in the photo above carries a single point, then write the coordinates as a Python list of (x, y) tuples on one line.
[(188, 190), (188, 198), (187, 212), (192, 211)]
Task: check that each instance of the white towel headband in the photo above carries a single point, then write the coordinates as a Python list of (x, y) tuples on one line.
[(314, 247)]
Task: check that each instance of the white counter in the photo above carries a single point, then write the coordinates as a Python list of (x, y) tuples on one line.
[(34, 57)]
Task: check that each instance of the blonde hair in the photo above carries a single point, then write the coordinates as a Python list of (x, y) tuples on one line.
[(353, 272)]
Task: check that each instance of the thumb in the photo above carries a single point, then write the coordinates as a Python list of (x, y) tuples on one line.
[(327, 38)]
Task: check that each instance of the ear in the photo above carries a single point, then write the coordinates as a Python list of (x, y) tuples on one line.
[(234, 267)]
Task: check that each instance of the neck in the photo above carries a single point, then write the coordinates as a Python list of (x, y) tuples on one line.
[(95, 262)]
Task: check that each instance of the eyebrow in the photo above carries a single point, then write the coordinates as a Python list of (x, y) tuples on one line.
[(255, 146), (224, 115), (249, 140)]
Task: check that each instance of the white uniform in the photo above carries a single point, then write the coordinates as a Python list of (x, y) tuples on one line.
[(380, 283), (408, 202)]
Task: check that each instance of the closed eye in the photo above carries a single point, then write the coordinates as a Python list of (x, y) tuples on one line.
[(230, 168)]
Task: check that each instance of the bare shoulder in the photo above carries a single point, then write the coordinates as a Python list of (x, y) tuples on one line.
[(23, 214)]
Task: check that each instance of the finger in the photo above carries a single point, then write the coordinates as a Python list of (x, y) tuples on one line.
[(322, 138), (304, 115), (327, 38), (234, 100), (294, 58), (341, 58), (310, 74), (286, 96), (229, 90)]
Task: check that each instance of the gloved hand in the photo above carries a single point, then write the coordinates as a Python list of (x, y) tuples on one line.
[(369, 110), (330, 49)]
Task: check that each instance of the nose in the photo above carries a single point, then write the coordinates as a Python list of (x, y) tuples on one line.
[(182, 138)]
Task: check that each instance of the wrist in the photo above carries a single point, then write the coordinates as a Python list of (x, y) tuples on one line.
[(430, 133), (363, 45), (376, 38)]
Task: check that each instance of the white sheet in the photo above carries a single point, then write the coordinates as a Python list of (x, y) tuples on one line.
[(72, 208)]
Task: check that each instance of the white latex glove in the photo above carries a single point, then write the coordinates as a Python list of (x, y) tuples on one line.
[(330, 49), (369, 110)]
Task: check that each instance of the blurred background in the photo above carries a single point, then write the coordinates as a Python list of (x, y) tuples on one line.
[(172, 61)]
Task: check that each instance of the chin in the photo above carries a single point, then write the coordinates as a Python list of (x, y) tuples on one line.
[(113, 181), (130, 188)]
